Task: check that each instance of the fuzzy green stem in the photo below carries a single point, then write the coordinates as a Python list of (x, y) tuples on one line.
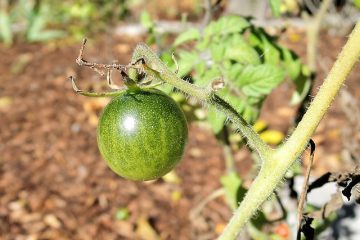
[(155, 67), (296, 143), (272, 171)]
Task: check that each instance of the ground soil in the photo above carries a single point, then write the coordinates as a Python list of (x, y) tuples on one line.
[(54, 184)]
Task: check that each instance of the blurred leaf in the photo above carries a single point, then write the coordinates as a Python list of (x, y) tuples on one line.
[(5, 102), (20, 63), (303, 85), (145, 231), (6, 33), (217, 52), (232, 185), (216, 119), (292, 63), (37, 22), (175, 195), (242, 53), (272, 137), (190, 34), (171, 177), (122, 214), (226, 25), (233, 72), (258, 81), (45, 35), (270, 51), (186, 62), (357, 3), (146, 21), (260, 125), (275, 7), (256, 233), (208, 76)]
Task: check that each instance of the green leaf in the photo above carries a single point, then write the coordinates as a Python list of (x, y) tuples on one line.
[(232, 185), (303, 85), (217, 52), (6, 33), (275, 7), (292, 63), (226, 25), (191, 34), (45, 35), (200, 68), (209, 75), (242, 53), (258, 81), (216, 119), (146, 21), (271, 51), (186, 62), (37, 23), (232, 73), (357, 3), (122, 214)]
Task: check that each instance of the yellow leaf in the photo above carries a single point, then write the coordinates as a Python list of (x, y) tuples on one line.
[(5, 102), (171, 177), (260, 125), (272, 137), (145, 231)]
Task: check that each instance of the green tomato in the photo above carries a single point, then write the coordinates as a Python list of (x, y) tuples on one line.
[(142, 134)]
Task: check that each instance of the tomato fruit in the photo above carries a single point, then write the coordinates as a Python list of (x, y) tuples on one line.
[(142, 134)]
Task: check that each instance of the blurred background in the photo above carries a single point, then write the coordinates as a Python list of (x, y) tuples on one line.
[(53, 181)]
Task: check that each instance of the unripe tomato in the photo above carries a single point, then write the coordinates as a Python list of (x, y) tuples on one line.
[(142, 134)]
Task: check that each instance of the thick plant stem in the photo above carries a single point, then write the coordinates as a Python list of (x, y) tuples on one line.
[(272, 171), (296, 143), (155, 67)]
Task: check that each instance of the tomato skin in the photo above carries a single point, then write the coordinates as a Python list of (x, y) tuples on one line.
[(142, 134)]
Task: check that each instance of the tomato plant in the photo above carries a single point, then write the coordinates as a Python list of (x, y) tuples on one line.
[(142, 134)]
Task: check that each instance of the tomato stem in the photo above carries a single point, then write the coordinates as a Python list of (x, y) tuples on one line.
[(152, 65), (273, 170), (275, 162)]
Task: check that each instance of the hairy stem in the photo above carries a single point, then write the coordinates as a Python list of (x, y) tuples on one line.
[(276, 162), (292, 148), (155, 67), (272, 171)]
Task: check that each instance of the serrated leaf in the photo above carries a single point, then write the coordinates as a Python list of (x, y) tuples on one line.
[(258, 81), (190, 34), (237, 49), (226, 25), (275, 7), (270, 51)]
